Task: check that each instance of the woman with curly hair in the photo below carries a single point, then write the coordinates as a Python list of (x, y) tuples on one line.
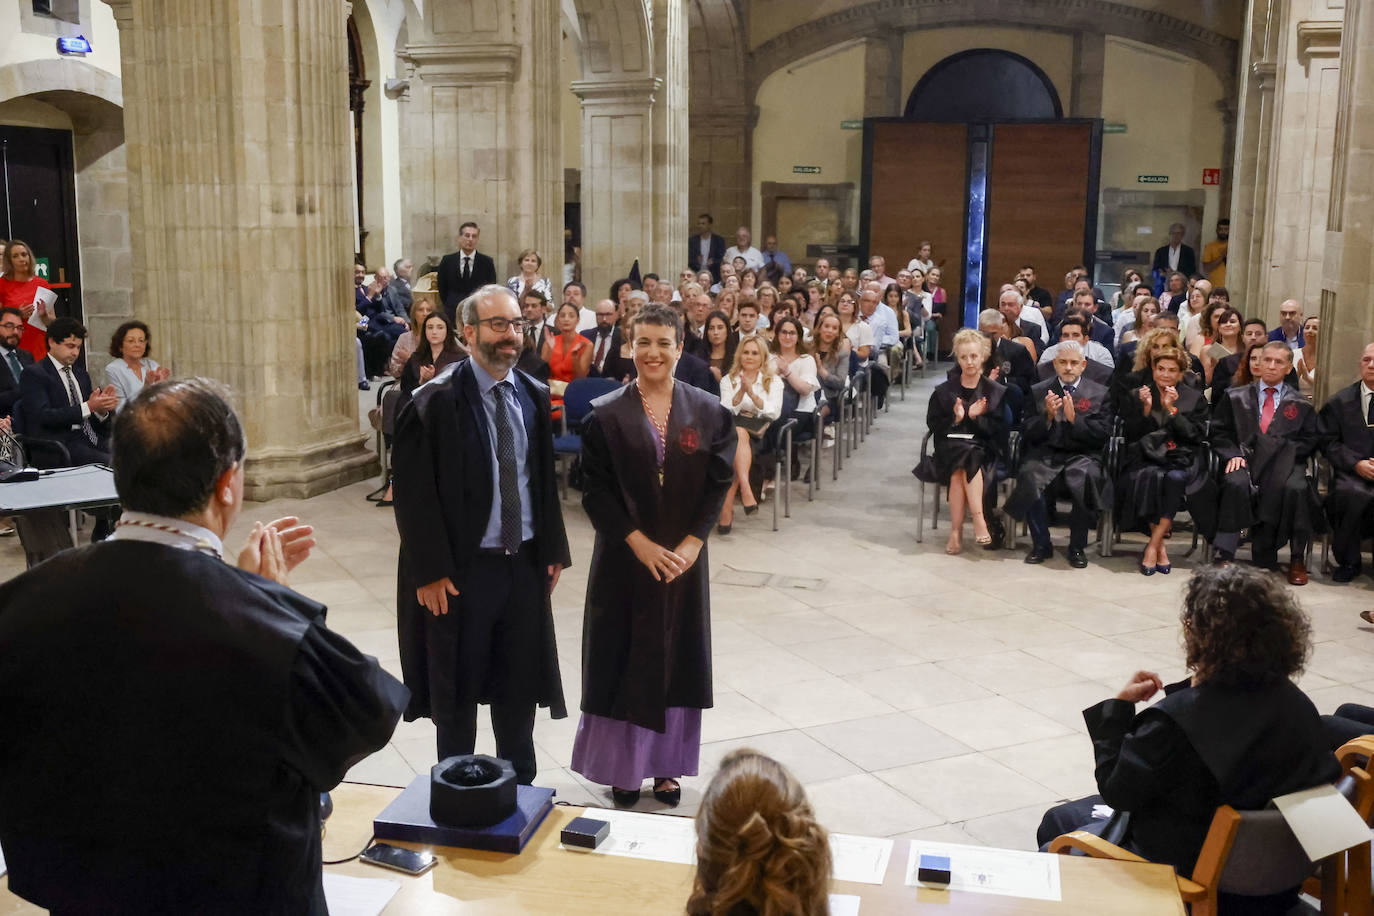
[(1237, 732), (760, 850)]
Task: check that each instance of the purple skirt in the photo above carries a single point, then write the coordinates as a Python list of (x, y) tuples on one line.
[(610, 752)]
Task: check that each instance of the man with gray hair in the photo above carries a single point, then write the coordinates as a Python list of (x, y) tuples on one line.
[(482, 541), (1008, 362), (1175, 256), (1067, 424), (1027, 317)]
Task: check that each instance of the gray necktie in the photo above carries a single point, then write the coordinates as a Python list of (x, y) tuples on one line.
[(75, 398), (15, 366), (505, 460)]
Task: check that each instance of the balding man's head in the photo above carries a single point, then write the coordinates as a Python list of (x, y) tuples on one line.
[(868, 301)]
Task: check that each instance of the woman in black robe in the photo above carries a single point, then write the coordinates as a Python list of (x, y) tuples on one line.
[(965, 419), (657, 460), (1166, 458)]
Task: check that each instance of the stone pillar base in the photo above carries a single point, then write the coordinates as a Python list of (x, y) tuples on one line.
[(299, 473)]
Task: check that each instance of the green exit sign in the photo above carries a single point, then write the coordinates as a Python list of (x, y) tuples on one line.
[(41, 268), (806, 169), (1110, 128), (1152, 179), (852, 125)]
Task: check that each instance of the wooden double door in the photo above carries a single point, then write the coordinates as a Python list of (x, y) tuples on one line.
[(990, 197)]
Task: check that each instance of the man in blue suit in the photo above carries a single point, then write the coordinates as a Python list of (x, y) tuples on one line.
[(57, 400)]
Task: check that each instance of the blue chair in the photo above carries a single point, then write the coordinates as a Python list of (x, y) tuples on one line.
[(577, 403)]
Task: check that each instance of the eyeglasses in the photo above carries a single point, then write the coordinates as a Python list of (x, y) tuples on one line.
[(502, 325), (11, 326)]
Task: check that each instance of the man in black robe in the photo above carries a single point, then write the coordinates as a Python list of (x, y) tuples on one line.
[(1064, 437), (170, 720), (1264, 433), (1347, 428), (482, 542), (1008, 363)]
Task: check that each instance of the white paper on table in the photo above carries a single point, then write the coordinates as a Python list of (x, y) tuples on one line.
[(346, 895), (859, 858), (42, 305), (660, 837), (1323, 820), (844, 905), (983, 870)]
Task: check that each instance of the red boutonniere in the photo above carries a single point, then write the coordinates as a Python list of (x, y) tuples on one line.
[(1171, 445), (689, 441), (1291, 412), (1082, 404)]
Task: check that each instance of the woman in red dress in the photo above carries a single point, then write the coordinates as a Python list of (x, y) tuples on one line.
[(568, 353), (18, 289)]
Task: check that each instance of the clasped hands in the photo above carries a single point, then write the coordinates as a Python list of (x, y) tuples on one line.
[(975, 410), (665, 565), (274, 549), (1168, 397)]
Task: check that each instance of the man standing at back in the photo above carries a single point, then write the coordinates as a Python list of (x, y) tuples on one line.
[(463, 271), (169, 720), (482, 542)]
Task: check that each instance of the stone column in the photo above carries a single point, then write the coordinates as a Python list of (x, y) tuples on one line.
[(480, 137), (667, 253), (883, 76), (240, 221), (1254, 140), (1089, 70), (618, 219), (1347, 308)]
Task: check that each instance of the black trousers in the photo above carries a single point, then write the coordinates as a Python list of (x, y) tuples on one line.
[(513, 725), (1351, 721), (1038, 521)]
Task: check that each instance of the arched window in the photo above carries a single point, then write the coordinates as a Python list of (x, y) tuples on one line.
[(984, 84)]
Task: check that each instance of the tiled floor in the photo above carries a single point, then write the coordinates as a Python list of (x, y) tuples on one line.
[(915, 694)]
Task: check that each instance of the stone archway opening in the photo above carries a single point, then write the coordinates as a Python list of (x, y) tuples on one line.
[(984, 84)]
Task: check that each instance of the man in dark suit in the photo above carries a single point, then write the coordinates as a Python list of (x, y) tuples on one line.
[(696, 372), (482, 542), (1175, 256), (13, 357), (1264, 433), (605, 337), (1064, 435), (1008, 363), (1085, 304), (706, 250), (463, 271), (185, 712), (1347, 428), (58, 402)]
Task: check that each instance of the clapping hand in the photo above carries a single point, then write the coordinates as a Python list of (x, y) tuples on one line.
[(1068, 406), (1147, 400), (274, 549), (159, 375), (426, 373), (1053, 403), (958, 410), (1141, 686), (1168, 398), (978, 408), (103, 400)]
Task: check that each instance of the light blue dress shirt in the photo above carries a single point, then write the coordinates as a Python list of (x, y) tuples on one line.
[(1278, 398), (515, 413), (885, 329)]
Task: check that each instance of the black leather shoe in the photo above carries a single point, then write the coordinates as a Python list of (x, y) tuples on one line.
[(1344, 573), (1077, 558), (668, 796), (1039, 554), (624, 798)]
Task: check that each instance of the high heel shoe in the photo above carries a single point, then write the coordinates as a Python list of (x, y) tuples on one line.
[(1146, 570), (751, 510), (1164, 568), (723, 529), (981, 539)]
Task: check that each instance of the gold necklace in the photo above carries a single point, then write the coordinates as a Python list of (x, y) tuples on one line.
[(661, 429)]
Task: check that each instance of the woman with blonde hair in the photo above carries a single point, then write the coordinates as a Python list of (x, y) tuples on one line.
[(753, 394), (760, 849), (965, 419)]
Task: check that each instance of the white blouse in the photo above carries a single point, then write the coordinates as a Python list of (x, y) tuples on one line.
[(860, 334), (126, 384), (804, 368), (771, 396)]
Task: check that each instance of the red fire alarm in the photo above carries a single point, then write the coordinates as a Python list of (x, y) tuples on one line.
[(1211, 176)]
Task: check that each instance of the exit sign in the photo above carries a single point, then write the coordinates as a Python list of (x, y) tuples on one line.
[(1113, 128), (851, 125), (41, 268), (1152, 179), (806, 169)]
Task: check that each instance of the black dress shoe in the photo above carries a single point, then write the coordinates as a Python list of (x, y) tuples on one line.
[(1039, 554), (668, 796), (1344, 573), (1077, 558), (624, 798)]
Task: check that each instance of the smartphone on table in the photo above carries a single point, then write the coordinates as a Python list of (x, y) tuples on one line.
[(398, 859)]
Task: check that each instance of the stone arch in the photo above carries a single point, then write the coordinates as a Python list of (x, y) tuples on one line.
[(94, 100), (983, 84), (615, 38), (881, 17)]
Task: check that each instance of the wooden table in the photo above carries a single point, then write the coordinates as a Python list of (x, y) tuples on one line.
[(546, 879)]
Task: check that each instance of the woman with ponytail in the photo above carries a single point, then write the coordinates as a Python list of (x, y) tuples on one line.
[(760, 850)]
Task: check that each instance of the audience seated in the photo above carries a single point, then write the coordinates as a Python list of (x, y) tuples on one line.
[(57, 400), (793, 363), (1067, 424), (605, 336), (1238, 732), (1252, 334), (530, 278), (830, 348), (131, 345), (753, 393), (1036, 295), (1264, 433), (1289, 330), (1023, 320), (440, 349), (1347, 429), (568, 353), (1165, 461), (965, 416), (420, 309), (1009, 362), (760, 850), (1142, 315), (1306, 363), (534, 310), (1074, 328), (886, 335)]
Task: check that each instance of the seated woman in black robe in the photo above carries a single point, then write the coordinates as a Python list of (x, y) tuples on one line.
[(1128, 377), (965, 418), (1239, 732), (1165, 458)]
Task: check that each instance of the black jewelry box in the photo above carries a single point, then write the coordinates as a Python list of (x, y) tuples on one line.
[(585, 832)]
